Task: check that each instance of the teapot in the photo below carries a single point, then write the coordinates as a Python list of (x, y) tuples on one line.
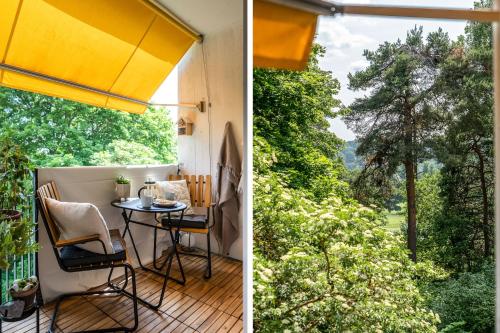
[(147, 193)]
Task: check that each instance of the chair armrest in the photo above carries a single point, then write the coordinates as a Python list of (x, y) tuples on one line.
[(77, 240)]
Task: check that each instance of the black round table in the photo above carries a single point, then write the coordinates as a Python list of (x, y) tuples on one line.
[(134, 205)]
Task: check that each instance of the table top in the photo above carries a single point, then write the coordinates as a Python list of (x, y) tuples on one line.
[(135, 205)]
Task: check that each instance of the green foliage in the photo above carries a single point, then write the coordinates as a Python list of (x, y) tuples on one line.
[(15, 186), (457, 327), (322, 262), (429, 211), (291, 112), (397, 116), (465, 150), (121, 152), (57, 132), (15, 168), (24, 284), (329, 266), (15, 240), (469, 298), (122, 180)]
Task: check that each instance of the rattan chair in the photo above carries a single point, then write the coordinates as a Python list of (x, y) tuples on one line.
[(74, 259), (200, 190)]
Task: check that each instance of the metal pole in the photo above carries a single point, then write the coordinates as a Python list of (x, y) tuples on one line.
[(434, 13), (496, 79), (69, 83), (14, 69), (247, 168), (321, 7), (169, 15)]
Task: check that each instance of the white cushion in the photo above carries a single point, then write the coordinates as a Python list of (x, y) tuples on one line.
[(76, 219), (181, 191)]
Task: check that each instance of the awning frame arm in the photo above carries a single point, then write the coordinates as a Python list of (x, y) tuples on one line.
[(321, 7), (69, 83), (202, 106), (170, 15)]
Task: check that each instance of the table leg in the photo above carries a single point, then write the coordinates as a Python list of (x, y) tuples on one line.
[(127, 228), (128, 219), (154, 252), (175, 241)]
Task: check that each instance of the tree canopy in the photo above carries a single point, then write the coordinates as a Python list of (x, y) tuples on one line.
[(291, 112), (57, 132), (394, 122), (322, 261)]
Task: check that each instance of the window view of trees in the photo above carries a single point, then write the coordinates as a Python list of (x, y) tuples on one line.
[(57, 132), (392, 232)]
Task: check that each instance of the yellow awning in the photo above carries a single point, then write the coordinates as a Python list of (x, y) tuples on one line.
[(282, 36), (108, 53), (283, 30)]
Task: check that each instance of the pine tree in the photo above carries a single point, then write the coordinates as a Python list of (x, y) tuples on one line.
[(399, 114)]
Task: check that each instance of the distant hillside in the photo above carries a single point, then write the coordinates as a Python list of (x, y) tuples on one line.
[(351, 160)]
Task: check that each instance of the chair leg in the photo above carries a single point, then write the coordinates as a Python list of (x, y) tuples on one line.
[(114, 286), (110, 284), (100, 292), (208, 273), (134, 295)]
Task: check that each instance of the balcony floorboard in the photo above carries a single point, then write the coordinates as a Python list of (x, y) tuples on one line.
[(213, 305)]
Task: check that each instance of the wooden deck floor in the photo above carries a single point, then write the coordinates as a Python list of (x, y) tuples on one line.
[(213, 305)]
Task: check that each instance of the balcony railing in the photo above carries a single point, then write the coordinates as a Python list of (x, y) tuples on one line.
[(20, 266)]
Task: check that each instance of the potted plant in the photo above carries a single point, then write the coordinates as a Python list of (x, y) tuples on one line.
[(16, 230), (122, 187), (15, 179), (25, 290)]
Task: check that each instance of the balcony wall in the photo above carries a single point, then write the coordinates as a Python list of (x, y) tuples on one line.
[(221, 23)]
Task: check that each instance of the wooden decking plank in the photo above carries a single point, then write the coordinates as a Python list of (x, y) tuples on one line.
[(190, 311), (27, 325), (213, 305), (228, 324), (195, 315), (234, 305), (238, 312), (181, 309), (204, 327), (237, 327), (158, 324), (216, 325)]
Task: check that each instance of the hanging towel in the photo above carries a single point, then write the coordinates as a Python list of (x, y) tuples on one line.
[(227, 203)]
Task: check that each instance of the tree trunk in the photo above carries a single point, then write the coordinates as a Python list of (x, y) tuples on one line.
[(410, 167), (484, 196), (412, 208)]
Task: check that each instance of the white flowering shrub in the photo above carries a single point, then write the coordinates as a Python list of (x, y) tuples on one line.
[(329, 266)]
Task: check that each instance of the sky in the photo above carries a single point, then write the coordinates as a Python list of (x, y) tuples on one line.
[(345, 38), (167, 93)]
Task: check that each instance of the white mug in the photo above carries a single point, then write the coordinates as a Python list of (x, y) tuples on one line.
[(146, 201)]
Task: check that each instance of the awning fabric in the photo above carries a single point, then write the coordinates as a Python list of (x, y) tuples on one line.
[(125, 48), (282, 36)]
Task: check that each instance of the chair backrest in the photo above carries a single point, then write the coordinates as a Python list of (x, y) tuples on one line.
[(49, 190), (200, 189)]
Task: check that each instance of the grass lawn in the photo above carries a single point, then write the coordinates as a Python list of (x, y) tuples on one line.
[(394, 221)]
